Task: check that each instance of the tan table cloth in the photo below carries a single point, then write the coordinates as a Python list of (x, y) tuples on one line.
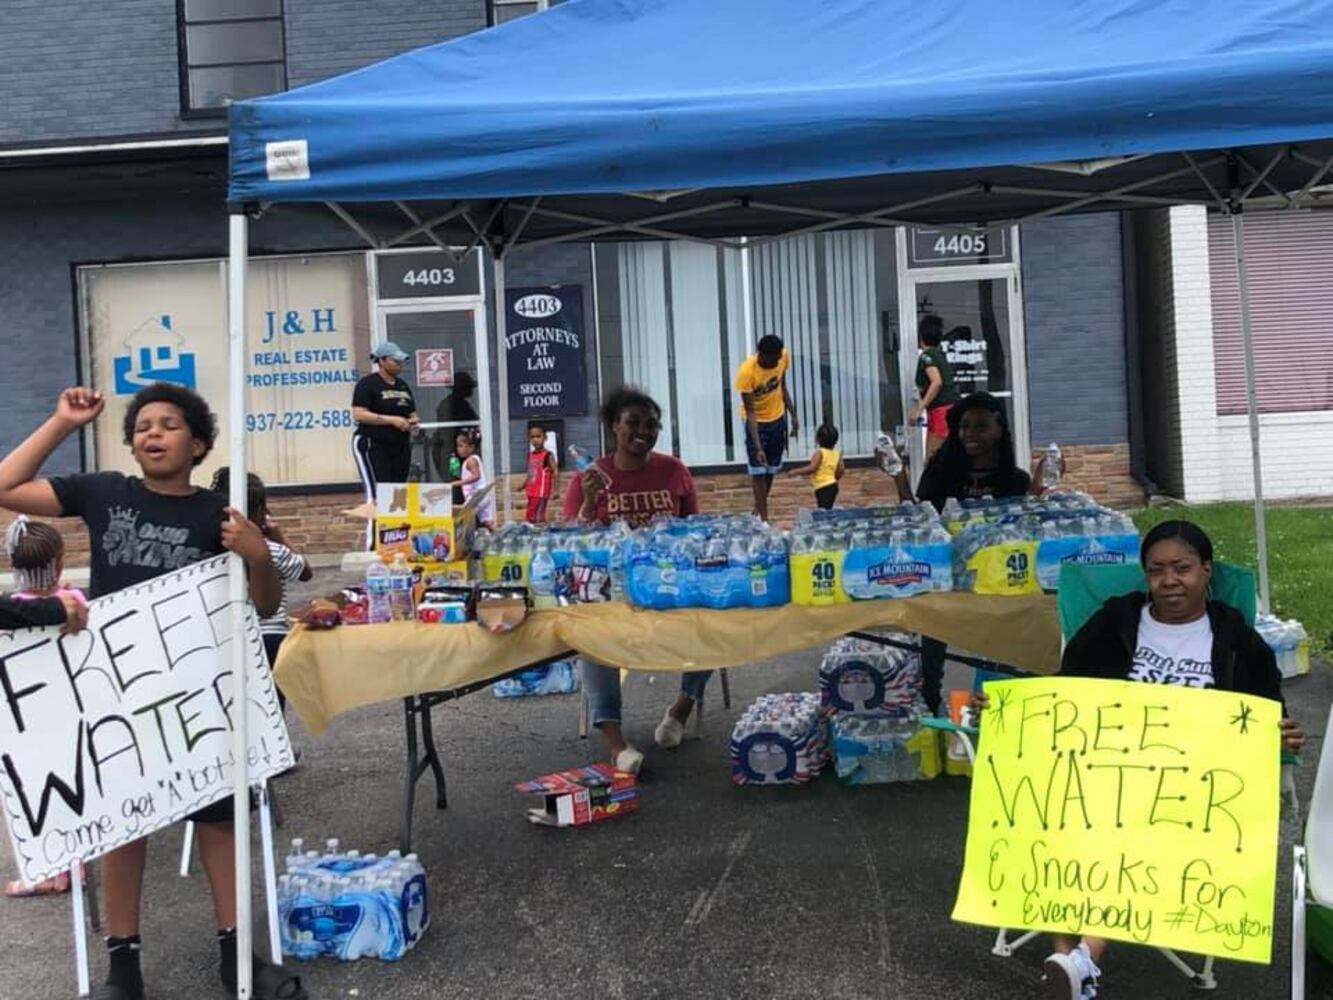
[(327, 673)]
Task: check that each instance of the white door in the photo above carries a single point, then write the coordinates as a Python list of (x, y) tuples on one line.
[(972, 282)]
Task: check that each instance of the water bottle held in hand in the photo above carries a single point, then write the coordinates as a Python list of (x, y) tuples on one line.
[(579, 458), (1050, 470), (889, 459)]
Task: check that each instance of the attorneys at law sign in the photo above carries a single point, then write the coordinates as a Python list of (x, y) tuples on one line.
[(544, 347)]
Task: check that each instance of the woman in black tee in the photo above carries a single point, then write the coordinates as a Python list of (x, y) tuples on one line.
[(386, 415), (976, 460)]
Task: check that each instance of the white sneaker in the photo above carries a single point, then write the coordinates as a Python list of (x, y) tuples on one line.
[(629, 760), (670, 732), (1072, 976)]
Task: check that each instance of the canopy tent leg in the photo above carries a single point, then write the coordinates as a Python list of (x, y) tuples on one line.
[(236, 594), (502, 368), (1252, 404)]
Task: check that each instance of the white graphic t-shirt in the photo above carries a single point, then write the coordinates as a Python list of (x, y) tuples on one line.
[(1173, 654)]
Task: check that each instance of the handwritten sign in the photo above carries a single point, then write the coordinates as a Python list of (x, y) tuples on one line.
[(1141, 812), (126, 727)]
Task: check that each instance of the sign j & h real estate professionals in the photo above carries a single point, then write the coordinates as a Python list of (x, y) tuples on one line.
[(307, 342), (1139, 812)]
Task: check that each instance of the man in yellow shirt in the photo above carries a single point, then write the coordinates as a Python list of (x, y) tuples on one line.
[(762, 382)]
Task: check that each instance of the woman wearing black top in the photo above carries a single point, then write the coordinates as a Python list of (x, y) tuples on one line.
[(386, 415), (976, 460)]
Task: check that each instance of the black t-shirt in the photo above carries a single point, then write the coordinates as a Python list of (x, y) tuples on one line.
[(934, 357), (390, 400), (937, 485), (136, 534)]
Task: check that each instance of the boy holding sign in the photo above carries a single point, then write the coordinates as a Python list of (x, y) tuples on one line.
[(140, 528), (1173, 635)]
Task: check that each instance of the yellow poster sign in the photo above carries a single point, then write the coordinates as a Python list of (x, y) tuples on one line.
[(1139, 812)]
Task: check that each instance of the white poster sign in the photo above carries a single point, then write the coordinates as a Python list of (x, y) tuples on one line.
[(126, 727)]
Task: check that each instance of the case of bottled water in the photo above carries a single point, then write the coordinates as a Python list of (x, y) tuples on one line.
[(704, 561), (558, 563), (871, 749), (349, 906), (861, 676), (858, 554), (781, 739), (1018, 546)]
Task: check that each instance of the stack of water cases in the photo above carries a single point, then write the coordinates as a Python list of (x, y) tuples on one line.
[(871, 694), (865, 553), (781, 739), (704, 561), (1017, 546), (348, 905)]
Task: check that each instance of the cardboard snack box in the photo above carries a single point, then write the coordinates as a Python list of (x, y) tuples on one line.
[(581, 796), (420, 521)]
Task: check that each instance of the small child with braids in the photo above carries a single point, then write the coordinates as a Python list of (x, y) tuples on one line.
[(37, 555)]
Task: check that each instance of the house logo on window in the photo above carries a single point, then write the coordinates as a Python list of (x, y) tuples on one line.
[(153, 354)]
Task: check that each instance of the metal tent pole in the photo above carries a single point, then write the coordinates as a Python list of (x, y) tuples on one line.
[(1252, 402), (236, 594), (502, 367)]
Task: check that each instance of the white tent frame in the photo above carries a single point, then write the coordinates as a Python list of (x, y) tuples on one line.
[(657, 224)]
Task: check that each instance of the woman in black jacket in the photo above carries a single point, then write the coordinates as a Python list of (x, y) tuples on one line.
[(1174, 634)]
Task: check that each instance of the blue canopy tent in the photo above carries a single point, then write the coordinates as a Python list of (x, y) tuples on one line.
[(699, 120)]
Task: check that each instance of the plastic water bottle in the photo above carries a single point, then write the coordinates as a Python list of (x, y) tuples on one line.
[(579, 458), (1050, 469), (889, 459), (541, 573), (379, 605), (400, 590)]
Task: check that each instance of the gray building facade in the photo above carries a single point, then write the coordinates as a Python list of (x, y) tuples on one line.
[(104, 161)]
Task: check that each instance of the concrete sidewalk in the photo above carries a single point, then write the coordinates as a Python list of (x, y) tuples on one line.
[(710, 891)]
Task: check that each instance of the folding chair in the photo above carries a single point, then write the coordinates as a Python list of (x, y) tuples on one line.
[(1083, 590), (1312, 867)]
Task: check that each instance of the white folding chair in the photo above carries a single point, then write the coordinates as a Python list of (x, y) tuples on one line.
[(1312, 867)]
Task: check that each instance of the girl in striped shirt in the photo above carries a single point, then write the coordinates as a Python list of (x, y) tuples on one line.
[(290, 564)]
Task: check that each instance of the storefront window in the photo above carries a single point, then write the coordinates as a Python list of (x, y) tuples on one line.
[(308, 335), (674, 321)]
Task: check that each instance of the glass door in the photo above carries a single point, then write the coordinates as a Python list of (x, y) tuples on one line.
[(981, 310), (448, 369)]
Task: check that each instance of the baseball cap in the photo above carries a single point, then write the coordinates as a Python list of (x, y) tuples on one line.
[(389, 349)]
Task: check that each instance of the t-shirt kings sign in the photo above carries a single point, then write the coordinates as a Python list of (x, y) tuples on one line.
[(544, 347)]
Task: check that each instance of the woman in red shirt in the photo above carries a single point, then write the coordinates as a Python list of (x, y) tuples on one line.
[(633, 484)]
